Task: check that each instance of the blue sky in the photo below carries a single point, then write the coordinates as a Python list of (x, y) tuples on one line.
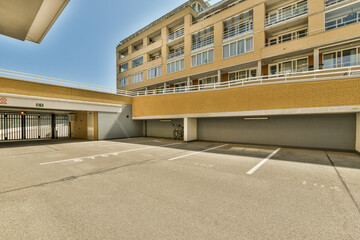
[(81, 44)]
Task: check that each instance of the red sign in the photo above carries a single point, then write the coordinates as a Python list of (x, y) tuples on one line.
[(3, 101)]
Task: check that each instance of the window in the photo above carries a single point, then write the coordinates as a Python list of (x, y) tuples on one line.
[(247, 73), (137, 62), (237, 48), (202, 38), (342, 17), (288, 36), (180, 87), (290, 66), (197, 7), (123, 81), (124, 67), (341, 58), (175, 66), (238, 25), (137, 77), (202, 58), (154, 72)]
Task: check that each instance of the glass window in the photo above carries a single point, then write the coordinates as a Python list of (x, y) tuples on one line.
[(249, 44), (273, 41), (205, 57), (137, 62), (286, 37), (193, 61), (329, 60), (226, 51), (182, 64), (232, 76), (232, 49), (211, 55), (253, 73), (287, 67), (198, 59), (358, 58), (302, 65), (349, 57), (241, 46), (273, 69), (342, 16)]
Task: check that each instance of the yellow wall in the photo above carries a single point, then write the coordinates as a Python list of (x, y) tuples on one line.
[(264, 97), (51, 91)]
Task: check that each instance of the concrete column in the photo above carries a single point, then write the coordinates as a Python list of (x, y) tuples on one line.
[(190, 129), (219, 75), (188, 83), (316, 59), (90, 126), (130, 49), (259, 69), (357, 144)]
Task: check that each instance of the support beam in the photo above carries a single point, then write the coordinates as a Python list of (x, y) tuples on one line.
[(357, 144), (316, 59), (259, 69), (190, 129), (188, 81), (219, 75)]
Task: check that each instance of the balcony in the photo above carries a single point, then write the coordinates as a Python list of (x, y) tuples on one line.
[(342, 17), (176, 34), (286, 13), (175, 54), (203, 42), (329, 3), (238, 30)]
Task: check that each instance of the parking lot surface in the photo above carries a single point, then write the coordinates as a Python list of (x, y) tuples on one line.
[(148, 188)]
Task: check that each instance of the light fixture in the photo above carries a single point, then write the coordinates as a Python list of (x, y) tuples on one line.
[(256, 118), (165, 120)]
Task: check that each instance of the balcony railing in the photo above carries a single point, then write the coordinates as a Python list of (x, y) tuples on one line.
[(282, 17), (238, 30), (342, 21), (175, 54), (154, 58), (175, 35), (314, 75), (203, 42), (333, 2)]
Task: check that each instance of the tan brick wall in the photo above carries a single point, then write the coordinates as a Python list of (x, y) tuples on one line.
[(51, 91), (266, 97)]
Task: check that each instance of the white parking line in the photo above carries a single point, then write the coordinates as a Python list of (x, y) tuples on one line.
[(104, 155), (186, 155), (251, 171)]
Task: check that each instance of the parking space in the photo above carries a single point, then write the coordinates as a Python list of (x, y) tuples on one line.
[(152, 188)]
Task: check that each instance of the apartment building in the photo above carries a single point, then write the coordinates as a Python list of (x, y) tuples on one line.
[(252, 71)]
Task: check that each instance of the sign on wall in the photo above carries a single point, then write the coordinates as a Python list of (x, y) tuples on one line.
[(3, 101), (39, 105)]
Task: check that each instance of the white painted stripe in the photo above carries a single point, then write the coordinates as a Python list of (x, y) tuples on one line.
[(105, 154), (251, 171), (193, 153)]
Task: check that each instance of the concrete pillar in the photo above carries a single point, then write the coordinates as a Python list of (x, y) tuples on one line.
[(188, 83), (316, 59), (259, 69), (219, 75), (190, 129), (357, 144), (90, 126)]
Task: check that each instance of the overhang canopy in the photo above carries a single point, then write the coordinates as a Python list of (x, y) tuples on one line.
[(29, 20)]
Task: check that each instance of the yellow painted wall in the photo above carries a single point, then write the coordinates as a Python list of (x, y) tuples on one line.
[(264, 97), (51, 91)]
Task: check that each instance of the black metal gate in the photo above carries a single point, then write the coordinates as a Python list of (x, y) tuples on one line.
[(15, 126)]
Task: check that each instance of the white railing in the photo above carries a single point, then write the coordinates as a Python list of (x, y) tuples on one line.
[(300, 10), (333, 2), (176, 34), (203, 42), (175, 54), (326, 74), (314, 75), (238, 30), (283, 39), (339, 22)]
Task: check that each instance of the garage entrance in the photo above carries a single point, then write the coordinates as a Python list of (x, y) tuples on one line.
[(17, 126)]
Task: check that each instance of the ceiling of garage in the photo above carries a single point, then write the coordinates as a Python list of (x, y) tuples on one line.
[(29, 20)]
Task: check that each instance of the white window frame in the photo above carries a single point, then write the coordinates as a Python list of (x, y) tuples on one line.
[(248, 73), (341, 50), (124, 81), (135, 76), (176, 62), (293, 70), (201, 57), (158, 72), (237, 47)]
